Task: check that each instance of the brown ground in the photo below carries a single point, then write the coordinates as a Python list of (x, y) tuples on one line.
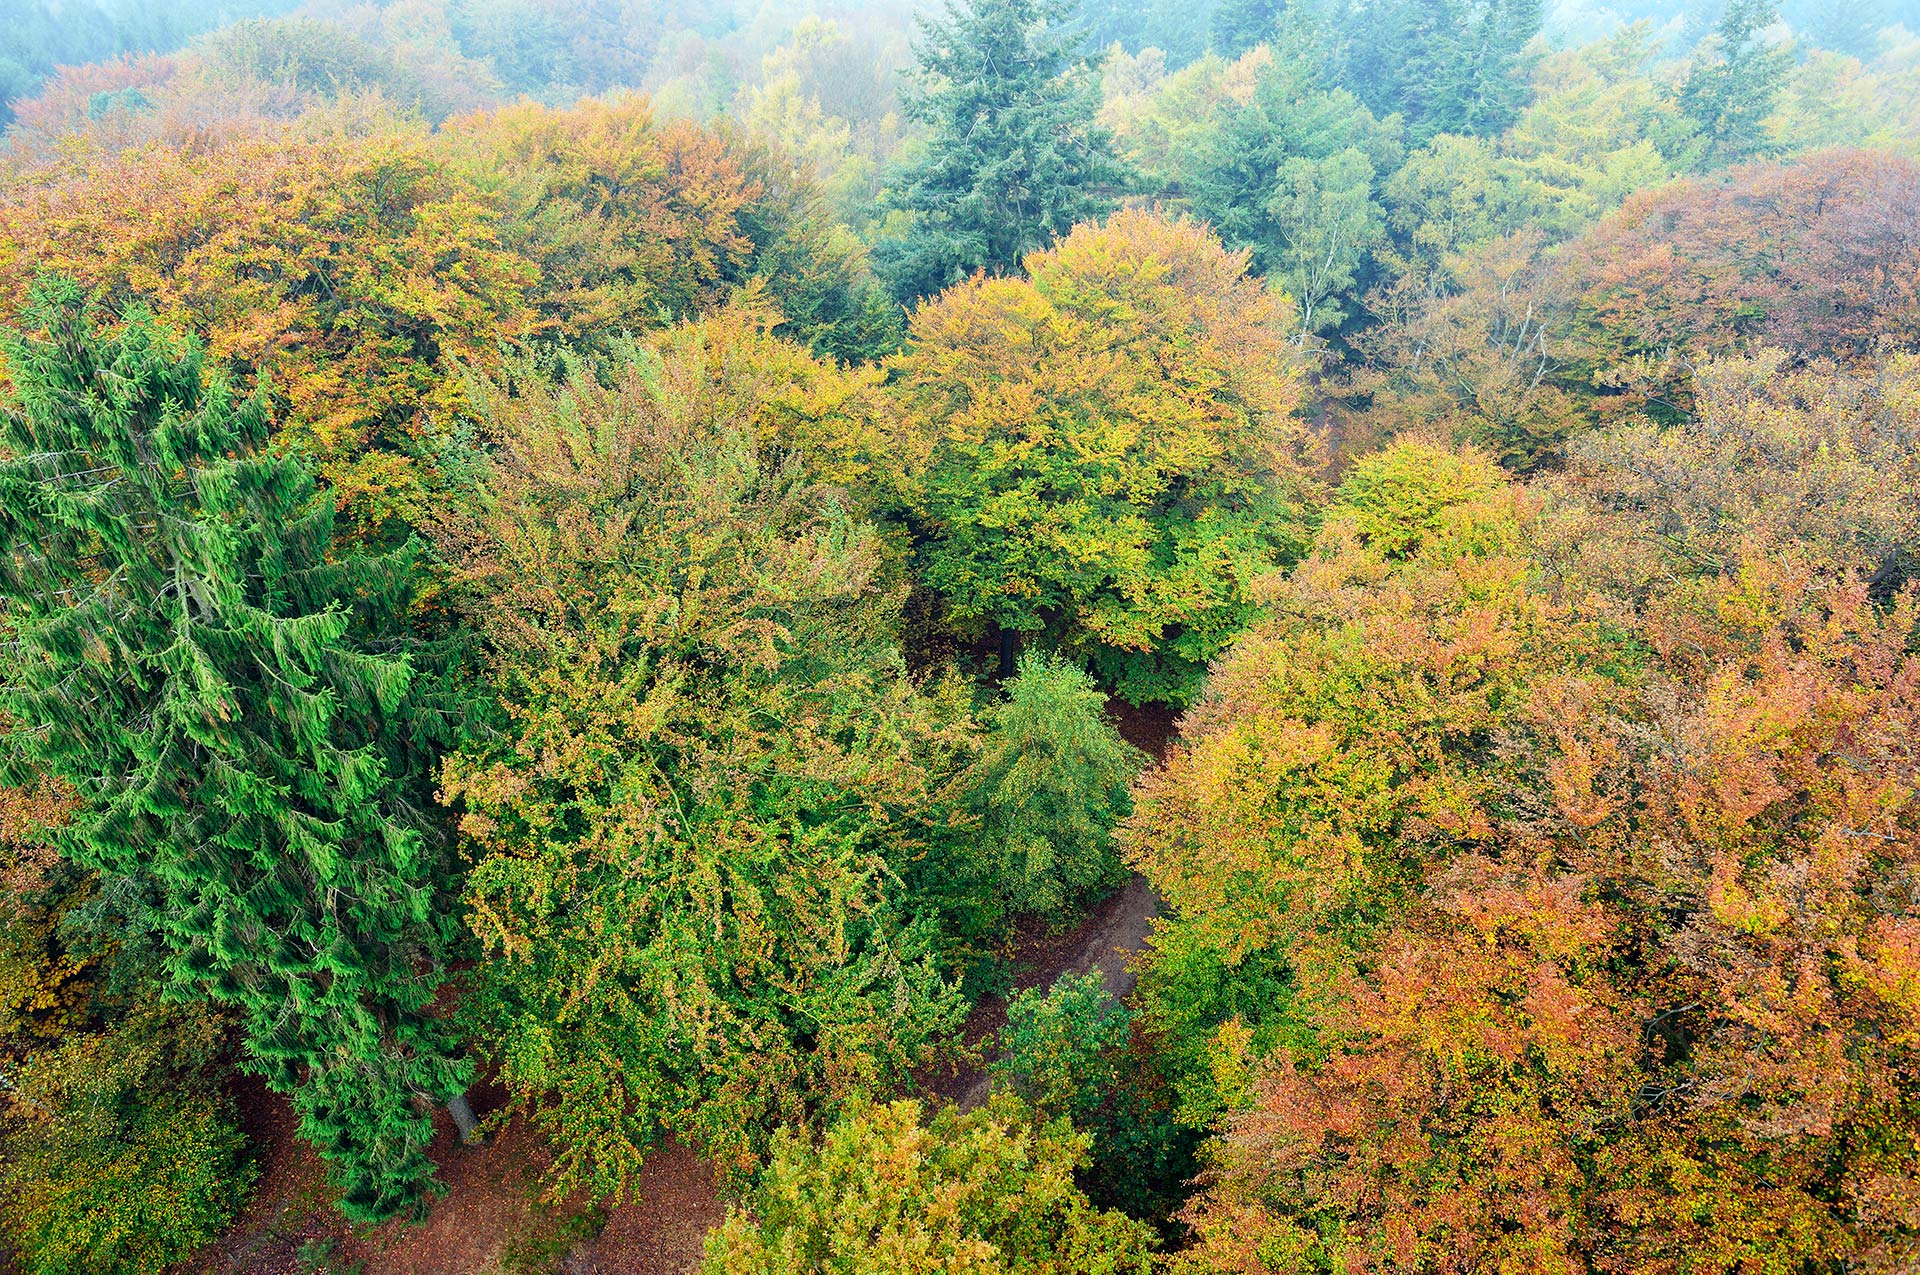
[(493, 1219)]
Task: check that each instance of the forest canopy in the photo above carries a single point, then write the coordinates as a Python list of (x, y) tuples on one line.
[(1071, 636)]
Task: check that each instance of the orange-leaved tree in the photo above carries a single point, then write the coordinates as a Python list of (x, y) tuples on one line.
[(355, 272)]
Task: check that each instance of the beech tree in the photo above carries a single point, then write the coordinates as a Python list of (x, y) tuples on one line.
[(1353, 711), (189, 659), (986, 1192), (1108, 453), (691, 824), (1820, 257)]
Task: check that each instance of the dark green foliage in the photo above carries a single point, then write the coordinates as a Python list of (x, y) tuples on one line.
[(1072, 1053), (813, 267), (1731, 86), (1013, 157), (1061, 1047), (1049, 786), (183, 659)]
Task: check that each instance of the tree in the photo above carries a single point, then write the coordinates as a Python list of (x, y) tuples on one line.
[(691, 823), (1445, 66), (1476, 349), (123, 1155), (1048, 786), (1013, 156), (1851, 27), (1817, 257), (188, 657), (634, 225), (1106, 453), (353, 271), (986, 1191), (1731, 86), (1072, 1053), (1557, 935), (1773, 454), (1238, 25), (1643, 1013), (1292, 172), (1355, 710)]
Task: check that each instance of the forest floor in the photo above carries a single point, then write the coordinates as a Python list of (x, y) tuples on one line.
[(495, 1219)]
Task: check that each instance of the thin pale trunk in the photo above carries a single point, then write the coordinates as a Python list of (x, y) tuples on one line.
[(464, 1120)]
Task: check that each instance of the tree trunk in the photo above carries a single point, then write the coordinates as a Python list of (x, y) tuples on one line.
[(1009, 639), (463, 1119)]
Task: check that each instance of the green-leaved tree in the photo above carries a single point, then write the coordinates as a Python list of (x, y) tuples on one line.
[(1732, 84), (1049, 785)]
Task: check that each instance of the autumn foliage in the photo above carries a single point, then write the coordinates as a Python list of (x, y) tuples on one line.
[(1108, 449), (1584, 964), (1282, 640)]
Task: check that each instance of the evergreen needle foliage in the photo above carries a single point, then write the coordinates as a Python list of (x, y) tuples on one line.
[(181, 657), (1014, 159), (1049, 785)]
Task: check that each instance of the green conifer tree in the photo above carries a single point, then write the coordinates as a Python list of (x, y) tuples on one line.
[(181, 657), (1445, 66), (1238, 25), (1013, 158), (1731, 87)]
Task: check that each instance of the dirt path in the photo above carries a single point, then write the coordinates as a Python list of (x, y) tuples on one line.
[(1105, 944), (493, 1221)]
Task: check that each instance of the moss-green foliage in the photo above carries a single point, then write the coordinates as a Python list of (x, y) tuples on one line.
[(988, 1192), (1071, 1053), (1048, 786), (689, 830), (123, 1157)]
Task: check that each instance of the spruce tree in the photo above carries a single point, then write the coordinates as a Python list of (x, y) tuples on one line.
[(1014, 157), (180, 654), (1446, 66), (1238, 25), (1731, 87)]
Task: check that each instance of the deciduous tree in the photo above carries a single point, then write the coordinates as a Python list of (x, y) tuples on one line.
[(1109, 449), (691, 822), (985, 1192)]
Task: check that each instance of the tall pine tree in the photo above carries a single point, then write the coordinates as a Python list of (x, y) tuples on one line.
[(1014, 157), (181, 655)]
